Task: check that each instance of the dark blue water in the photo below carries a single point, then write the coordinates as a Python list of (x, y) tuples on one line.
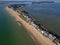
[(47, 14)]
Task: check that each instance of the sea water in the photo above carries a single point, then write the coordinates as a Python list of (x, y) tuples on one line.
[(48, 15), (10, 32)]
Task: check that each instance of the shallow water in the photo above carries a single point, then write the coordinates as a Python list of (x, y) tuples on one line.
[(10, 32)]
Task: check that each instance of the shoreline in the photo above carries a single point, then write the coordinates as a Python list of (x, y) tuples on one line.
[(38, 37)]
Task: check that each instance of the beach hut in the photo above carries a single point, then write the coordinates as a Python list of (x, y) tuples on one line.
[(52, 37), (57, 43), (44, 33), (33, 24)]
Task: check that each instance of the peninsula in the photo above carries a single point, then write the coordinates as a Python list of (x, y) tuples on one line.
[(38, 38)]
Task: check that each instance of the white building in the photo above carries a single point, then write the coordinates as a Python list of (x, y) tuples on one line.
[(24, 15), (52, 37), (44, 33), (32, 23), (38, 29), (58, 43)]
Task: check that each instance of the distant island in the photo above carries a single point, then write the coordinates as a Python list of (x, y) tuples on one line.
[(42, 2)]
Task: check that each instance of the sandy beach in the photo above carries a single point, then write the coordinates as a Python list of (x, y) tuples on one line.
[(34, 33)]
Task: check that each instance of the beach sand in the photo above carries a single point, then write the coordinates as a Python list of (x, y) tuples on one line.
[(34, 33)]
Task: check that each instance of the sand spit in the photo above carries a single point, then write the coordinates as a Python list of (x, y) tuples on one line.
[(38, 37)]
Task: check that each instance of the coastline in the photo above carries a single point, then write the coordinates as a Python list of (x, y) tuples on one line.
[(41, 40)]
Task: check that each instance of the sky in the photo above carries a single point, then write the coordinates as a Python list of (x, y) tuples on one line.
[(29, 0)]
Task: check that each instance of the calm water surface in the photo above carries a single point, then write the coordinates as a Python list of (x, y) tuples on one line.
[(10, 32), (47, 14)]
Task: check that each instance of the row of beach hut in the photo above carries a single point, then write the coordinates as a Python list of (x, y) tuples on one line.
[(39, 27)]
